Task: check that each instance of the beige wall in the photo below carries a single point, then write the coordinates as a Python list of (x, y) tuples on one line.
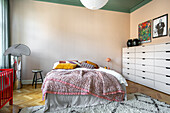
[(61, 32), (151, 10)]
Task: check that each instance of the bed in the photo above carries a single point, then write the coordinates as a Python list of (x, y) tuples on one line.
[(58, 96)]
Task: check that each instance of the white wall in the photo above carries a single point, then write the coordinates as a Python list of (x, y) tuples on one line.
[(61, 32)]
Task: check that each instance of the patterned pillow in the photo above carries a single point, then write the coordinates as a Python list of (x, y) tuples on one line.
[(95, 65), (74, 62), (83, 62), (86, 65)]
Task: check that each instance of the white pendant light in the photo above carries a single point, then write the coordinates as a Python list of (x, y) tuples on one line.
[(94, 4)]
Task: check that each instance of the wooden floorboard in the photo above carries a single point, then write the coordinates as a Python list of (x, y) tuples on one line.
[(134, 87), (26, 97), (29, 96)]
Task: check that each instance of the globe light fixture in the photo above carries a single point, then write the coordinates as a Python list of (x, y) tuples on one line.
[(94, 4)]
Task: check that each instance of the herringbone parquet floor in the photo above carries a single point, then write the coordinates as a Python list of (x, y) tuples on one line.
[(29, 96), (26, 97)]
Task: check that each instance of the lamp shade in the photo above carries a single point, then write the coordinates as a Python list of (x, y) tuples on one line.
[(108, 59), (94, 4), (18, 50)]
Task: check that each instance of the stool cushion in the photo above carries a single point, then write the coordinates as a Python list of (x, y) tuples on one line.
[(36, 71)]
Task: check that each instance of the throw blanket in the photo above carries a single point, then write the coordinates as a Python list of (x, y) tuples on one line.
[(83, 82)]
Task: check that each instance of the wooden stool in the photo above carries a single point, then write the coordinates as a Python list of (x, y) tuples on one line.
[(35, 77)]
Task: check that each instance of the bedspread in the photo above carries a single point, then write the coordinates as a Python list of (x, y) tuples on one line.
[(83, 82)]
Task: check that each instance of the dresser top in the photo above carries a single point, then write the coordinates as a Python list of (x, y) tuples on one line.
[(147, 45)]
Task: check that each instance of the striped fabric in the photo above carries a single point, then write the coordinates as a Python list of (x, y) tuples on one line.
[(94, 64), (74, 62), (86, 65)]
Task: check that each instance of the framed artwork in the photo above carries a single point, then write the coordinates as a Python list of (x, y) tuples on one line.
[(160, 26), (144, 32)]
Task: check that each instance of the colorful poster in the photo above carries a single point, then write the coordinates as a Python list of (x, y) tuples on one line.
[(144, 31)]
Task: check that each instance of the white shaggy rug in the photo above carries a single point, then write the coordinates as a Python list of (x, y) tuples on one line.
[(137, 103)]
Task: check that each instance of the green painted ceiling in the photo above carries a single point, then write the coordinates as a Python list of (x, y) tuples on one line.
[(126, 6)]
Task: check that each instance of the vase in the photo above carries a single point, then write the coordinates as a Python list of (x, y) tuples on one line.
[(129, 43), (135, 42)]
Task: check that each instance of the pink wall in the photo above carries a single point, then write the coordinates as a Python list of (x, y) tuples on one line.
[(151, 10), (61, 32)]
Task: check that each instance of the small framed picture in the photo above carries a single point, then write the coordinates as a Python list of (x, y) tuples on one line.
[(160, 26)]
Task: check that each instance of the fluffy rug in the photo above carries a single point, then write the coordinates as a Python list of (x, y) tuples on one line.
[(137, 103)]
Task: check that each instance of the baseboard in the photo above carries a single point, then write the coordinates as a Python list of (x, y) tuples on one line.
[(29, 82)]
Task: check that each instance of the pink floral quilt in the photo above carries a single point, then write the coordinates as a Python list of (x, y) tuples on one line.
[(83, 82)]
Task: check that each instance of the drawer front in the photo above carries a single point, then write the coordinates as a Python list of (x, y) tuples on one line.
[(162, 55), (162, 70), (129, 55), (145, 55), (129, 76), (162, 78), (145, 68), (145, 74), (131, 49), (145, 48), (145, 61), (162, 47), (164, 87), (162, 63), (145, 81), (129, 60), (129, 65), (128, 70)]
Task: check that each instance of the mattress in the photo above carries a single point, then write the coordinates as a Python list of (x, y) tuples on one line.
[(54, 102)]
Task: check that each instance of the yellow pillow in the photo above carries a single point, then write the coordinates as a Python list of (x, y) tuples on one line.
[(95, 65), (66, 66)]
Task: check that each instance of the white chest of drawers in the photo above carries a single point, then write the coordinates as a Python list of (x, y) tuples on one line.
[(148, 65)]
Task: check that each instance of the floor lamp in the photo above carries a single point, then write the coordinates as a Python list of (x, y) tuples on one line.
[(17, 51)]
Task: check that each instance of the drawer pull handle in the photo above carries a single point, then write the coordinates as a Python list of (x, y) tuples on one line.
[(128, 73), (143, 64), (143, 52), (143, 77), (127, 68), (167, 67), (127, 63), (167, 84), (143, 58), (167, 76), (167, 51), (167, 43), (128, 53), (143, 71), (167, 59), (127, 58)]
